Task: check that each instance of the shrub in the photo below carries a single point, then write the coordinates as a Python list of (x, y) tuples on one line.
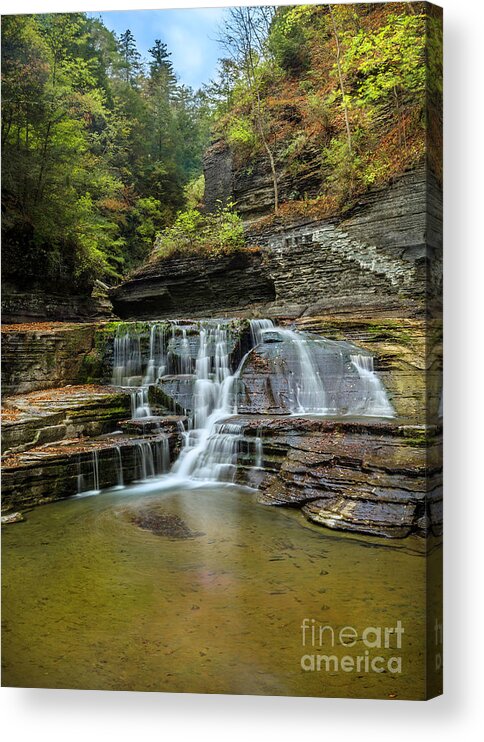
[(218, 233)]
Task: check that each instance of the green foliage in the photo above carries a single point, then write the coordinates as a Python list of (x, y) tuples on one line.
[(288, 39), (96, 153), (344, 167), (194, 192), (351, 82), (193, 232), (240, 133), (387, 59)]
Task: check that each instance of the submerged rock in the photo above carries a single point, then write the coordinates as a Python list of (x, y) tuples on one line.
[(161, 523)]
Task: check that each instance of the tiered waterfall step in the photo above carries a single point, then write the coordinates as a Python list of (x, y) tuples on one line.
[(30, 420), (59, 470)]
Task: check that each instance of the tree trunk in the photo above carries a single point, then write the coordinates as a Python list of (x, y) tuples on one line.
[(340, 76)]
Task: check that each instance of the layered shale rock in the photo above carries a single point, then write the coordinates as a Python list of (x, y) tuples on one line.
[(382, 257), (194, 285), (44, 356), (33, 419), (374, 477), (35, 302), (56, 471), (250, 186)]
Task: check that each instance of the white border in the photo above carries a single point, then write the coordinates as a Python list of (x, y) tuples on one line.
[(79, 715)]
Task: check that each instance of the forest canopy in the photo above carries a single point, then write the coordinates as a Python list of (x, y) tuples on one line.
[(102, 150), (98, 147)]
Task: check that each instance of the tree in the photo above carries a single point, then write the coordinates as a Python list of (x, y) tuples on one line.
[(131, 57), (96, 153), (245, 36), (340, 78)]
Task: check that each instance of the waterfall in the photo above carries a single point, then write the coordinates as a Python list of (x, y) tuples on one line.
[(151, 458), (145, 465), (211, 447), (310, 375), (308, 394), (128, 365), (212, 401), (257, 329), (119, 467), (128, 370), (375, 402), (91, 477)]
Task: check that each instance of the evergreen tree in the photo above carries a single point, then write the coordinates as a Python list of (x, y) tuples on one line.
[(131, 66)]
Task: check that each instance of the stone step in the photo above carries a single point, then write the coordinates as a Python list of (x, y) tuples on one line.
[(41, 417)]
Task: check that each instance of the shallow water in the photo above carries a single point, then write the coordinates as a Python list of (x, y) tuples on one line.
[(91, 600)]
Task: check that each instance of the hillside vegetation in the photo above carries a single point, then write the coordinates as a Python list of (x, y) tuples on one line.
[(98, 148), (348, 89), (102, 151)]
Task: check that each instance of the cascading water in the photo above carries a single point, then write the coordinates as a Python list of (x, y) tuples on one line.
[(257, 329), (316, 377), (88, 481), (375, 402), (128, 370), (210, 450), (151, 459), (307, 386), (119, 467), (310, 375)]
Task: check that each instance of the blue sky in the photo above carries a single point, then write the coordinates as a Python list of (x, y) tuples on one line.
[(188, 33)]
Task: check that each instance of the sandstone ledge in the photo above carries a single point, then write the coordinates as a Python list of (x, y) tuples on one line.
[(37, 418), (369, 476)]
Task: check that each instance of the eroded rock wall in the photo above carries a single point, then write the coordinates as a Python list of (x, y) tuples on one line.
[(40, 356), (382, 258), (195, 285), (34, 302)]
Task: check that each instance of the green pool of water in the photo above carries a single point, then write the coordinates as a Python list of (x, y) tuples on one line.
[(91, 600)]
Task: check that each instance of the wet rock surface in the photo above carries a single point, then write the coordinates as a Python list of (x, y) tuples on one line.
[(408, 357), (274, 379), (378, 477)]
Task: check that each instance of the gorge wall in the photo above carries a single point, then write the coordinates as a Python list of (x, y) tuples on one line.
[(34, 301), (382, 258)]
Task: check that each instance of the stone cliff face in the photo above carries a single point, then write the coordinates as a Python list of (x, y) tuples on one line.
[(250, 186), (44, 356), (383, 258), (194, 285), (36, 302)]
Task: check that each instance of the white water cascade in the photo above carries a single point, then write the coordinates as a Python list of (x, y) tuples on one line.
[(306, 384), (375, 402), (211, 446), (151, 459), (313, 376), (128, 371)]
